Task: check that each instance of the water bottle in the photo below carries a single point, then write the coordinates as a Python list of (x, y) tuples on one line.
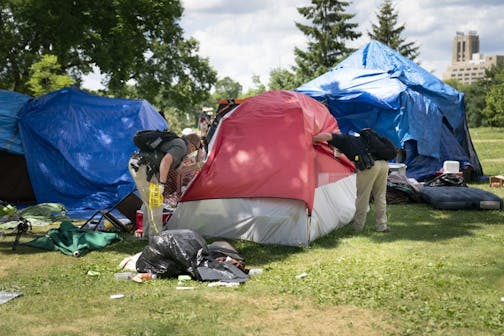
[(124, 276)]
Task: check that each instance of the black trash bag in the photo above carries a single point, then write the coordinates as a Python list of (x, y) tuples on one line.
[(213, 270), (151, 261), (222, 248), (182, 248), (177, 252)]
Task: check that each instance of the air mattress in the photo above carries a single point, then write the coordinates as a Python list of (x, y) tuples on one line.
[(454, 198)]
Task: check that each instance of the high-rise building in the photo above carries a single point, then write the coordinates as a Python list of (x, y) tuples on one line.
[(468, 65)]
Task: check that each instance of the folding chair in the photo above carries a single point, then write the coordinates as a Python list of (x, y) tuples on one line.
[(127, 206)]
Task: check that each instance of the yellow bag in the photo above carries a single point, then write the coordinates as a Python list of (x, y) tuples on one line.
[(155, 195)]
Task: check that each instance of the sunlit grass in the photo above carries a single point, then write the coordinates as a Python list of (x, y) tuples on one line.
[(437, 273)]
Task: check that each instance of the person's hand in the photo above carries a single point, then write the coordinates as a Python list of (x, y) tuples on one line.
[(321, 137), (200, 164)]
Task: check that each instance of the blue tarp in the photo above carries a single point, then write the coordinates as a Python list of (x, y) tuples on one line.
[(77, 146), (10, 104), (376, 87)]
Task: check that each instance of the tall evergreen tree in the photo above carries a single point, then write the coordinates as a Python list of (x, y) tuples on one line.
[(388, 32), (329, 30)]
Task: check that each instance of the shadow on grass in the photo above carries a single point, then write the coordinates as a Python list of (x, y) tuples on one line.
[(415, 222), (419, 222), (128, 244)]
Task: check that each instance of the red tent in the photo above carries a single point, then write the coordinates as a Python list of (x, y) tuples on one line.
[(264, 180)]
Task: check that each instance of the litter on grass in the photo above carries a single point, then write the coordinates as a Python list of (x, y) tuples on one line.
[(302, 275), (223, 284), (7, 296), (116, 296)]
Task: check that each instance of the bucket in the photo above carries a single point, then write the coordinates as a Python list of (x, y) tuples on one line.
[(451, 167)]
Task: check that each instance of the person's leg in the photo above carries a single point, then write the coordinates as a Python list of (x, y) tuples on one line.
[(365, 180), (152, 215), (380, 195)]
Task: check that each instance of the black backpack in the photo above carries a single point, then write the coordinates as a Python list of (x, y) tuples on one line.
[(354, 149), (149, 140), (379, 147)]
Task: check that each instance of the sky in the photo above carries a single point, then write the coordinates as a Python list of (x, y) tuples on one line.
[(243, 38)]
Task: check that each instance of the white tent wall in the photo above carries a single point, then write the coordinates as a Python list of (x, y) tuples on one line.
[(270, 220), (334, 206)]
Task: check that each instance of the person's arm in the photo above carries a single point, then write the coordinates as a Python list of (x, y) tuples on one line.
[(191, 167), (322, 137), (164, 167)]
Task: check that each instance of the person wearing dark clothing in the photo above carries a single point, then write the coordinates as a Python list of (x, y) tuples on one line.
[(149, 169), (370, 153)]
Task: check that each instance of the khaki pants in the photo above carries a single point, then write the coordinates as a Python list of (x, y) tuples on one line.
[(153, 216), (372, 181)]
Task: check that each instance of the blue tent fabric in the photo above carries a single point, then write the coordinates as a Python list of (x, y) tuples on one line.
[(377, 87), (77, 146), (10, 104)]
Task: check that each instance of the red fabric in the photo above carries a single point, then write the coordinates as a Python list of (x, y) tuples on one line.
[(264, 149)]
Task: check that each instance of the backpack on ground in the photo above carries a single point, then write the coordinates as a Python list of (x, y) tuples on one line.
[(149, 140)]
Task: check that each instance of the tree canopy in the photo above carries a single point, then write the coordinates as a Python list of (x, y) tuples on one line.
[(46, 76), (388, 32), (133, 43)]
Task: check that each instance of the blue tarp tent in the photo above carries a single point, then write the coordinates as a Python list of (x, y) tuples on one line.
[(377, 87), (77, 146), (10, 104), (15, 186)]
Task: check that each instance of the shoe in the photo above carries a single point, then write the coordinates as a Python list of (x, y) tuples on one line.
[(386, 230)]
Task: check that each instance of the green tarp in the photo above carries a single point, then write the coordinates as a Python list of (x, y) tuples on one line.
[(71, 240)]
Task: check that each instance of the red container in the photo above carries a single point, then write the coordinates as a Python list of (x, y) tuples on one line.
[(139, 219)]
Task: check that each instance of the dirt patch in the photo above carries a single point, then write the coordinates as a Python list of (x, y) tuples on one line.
[(289, 316)]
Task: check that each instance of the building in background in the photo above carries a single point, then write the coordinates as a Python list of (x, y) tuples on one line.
[(468, 65)]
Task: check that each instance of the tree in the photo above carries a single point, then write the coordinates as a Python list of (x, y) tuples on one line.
[(282, 79), (388, 32), (133, 43), (494, 109), (327, 34), (226, 88), (45, 76), (258, 89), (475, 95)]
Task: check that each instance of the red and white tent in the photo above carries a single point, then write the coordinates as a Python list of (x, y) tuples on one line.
[(265, 181)]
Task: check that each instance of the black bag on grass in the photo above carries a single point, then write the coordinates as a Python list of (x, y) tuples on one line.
[(172, 253)]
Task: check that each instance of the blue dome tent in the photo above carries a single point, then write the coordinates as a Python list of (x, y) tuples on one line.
[(77, 146), (14, 180), (379, 88)]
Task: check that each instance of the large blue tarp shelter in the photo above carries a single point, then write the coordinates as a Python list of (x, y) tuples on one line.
[(77, 146), (15, 186), (10, 104), (377, 87)]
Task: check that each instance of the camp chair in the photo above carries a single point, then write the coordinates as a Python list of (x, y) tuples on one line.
[(127, 206)]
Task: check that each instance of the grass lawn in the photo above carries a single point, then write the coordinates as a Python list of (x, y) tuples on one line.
[(437, 273)]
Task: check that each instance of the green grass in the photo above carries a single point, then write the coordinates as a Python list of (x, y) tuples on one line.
[(489, 144), (438, 273)]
